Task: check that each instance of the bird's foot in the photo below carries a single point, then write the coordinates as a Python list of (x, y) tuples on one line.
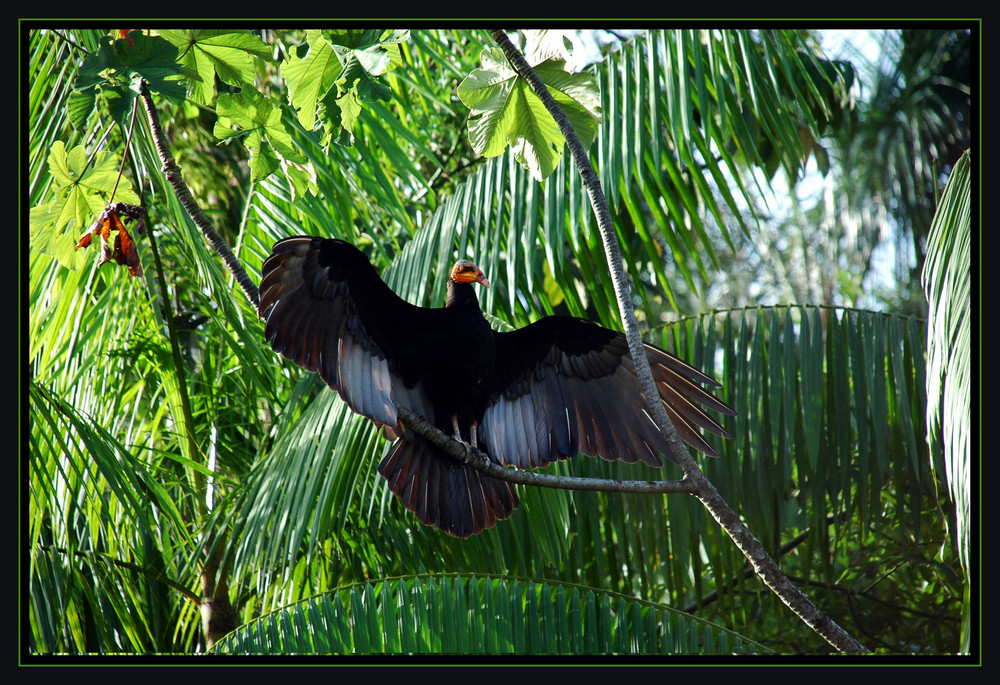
[(473, 438)]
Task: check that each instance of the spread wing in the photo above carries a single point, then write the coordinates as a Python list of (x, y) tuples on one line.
[(565, 386), (327, 310)]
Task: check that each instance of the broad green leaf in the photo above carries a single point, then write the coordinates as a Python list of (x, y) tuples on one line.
[(116, 66), (83, 189), (250, 115), (342, 70), (348, 107), (207, 53), (309, 78), (366, 55), (504, 111)]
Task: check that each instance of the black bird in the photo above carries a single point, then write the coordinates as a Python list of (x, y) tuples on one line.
[(548, 391)]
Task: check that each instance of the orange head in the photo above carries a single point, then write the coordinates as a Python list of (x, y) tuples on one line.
[(465, 271)]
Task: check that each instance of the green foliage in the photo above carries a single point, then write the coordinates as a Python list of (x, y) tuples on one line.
[(917, 121), (478, 615), (161, 424), (113, 72), (504, 111), (257, 120), (340, 71), (947, 279)]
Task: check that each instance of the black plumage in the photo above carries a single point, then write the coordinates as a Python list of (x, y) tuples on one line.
[(548, 391)]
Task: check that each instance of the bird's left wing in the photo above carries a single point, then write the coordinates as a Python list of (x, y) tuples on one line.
[(327, 310), (566, 385)]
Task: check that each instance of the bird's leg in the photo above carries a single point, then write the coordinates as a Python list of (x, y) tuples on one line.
[(458, 432)]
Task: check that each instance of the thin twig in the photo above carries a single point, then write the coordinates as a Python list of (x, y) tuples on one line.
[(217, 613), (473, 457)]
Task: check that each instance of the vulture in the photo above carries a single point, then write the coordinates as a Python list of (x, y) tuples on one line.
[(551, 390)]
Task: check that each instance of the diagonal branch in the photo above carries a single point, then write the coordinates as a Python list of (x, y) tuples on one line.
[(215, 600), (173, 175), (415, 422), (765, 567)]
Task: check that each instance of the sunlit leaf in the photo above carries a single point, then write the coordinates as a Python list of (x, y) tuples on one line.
[(505, 112), (947, 277), (207, 53), (83, 188)]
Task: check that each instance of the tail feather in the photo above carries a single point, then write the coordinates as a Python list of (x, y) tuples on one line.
[(444, 492)]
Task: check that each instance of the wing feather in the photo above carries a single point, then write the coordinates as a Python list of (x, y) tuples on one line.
[(327, 310), (565, 385), (561, 386)]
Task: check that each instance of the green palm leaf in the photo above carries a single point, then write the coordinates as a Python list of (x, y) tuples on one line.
[(947, 281), (477, 615)]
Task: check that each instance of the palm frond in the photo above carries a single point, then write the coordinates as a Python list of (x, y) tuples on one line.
[(477, 615), (947, 280)]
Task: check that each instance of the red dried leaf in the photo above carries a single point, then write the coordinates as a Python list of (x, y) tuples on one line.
[(85, 240), (121, 249), (126, 252)]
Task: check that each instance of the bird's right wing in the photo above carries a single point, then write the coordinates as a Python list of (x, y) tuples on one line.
[(327, 310)]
